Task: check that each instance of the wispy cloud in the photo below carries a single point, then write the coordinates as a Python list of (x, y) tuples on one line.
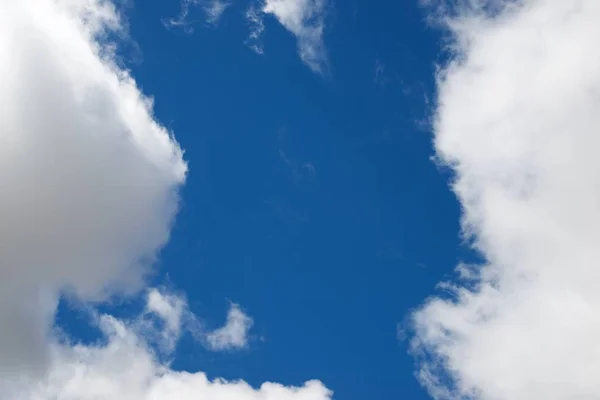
[(380, 77), (299, 170), (90, 183), (379, 70), (172, 310), (212, 9), (517, 119), (130, 366), (176, 318), (234, 334), (305, 19), (257, 26)]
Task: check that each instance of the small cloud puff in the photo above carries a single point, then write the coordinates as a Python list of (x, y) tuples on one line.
[(305, 19), (234, 334)]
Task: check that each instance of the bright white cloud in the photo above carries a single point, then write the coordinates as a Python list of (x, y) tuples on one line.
[(125, 368), (234, 334), (172, 312), (89, 184), (175, 316), (305, 19), (89, 178), (517, 119)]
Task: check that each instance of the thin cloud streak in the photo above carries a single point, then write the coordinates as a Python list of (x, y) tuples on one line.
[(212, 9)]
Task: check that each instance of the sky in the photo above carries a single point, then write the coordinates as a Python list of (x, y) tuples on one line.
[(299, 199)]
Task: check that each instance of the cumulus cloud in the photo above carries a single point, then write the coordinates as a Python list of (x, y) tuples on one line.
[(175, 317), (89, 178), (89, 183), (305, 19), (517, 119), (126, 368), (234, 334)]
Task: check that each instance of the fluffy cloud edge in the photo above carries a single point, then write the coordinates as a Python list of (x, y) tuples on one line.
[(305, 19), (234, 334), (515, 121), (130, 364), (92, 189)]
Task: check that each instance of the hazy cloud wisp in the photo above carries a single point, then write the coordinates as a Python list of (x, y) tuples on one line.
[(212, 9), (234, 334), (305, 19)]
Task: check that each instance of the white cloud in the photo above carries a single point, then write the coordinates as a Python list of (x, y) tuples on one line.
[(125, 368), (213, 10), (257, 27), (234, 334), (305, 19), (173, 313), (89, 178), (517, 119), (89, 183), (169, 307)]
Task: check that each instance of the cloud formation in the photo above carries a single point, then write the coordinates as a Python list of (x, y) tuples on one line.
[(175, 316), (517, 120), (90, 185), (234, 334), (126, 368), (257, 26), (89, 178), (305, 19), (213, 10)]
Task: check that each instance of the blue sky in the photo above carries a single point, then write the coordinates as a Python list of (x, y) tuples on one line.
[(299, 200), (311, 200)]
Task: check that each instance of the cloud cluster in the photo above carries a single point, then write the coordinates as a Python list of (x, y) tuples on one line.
[(174, 317), (305, 19), (517, 120), (89, 183)]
